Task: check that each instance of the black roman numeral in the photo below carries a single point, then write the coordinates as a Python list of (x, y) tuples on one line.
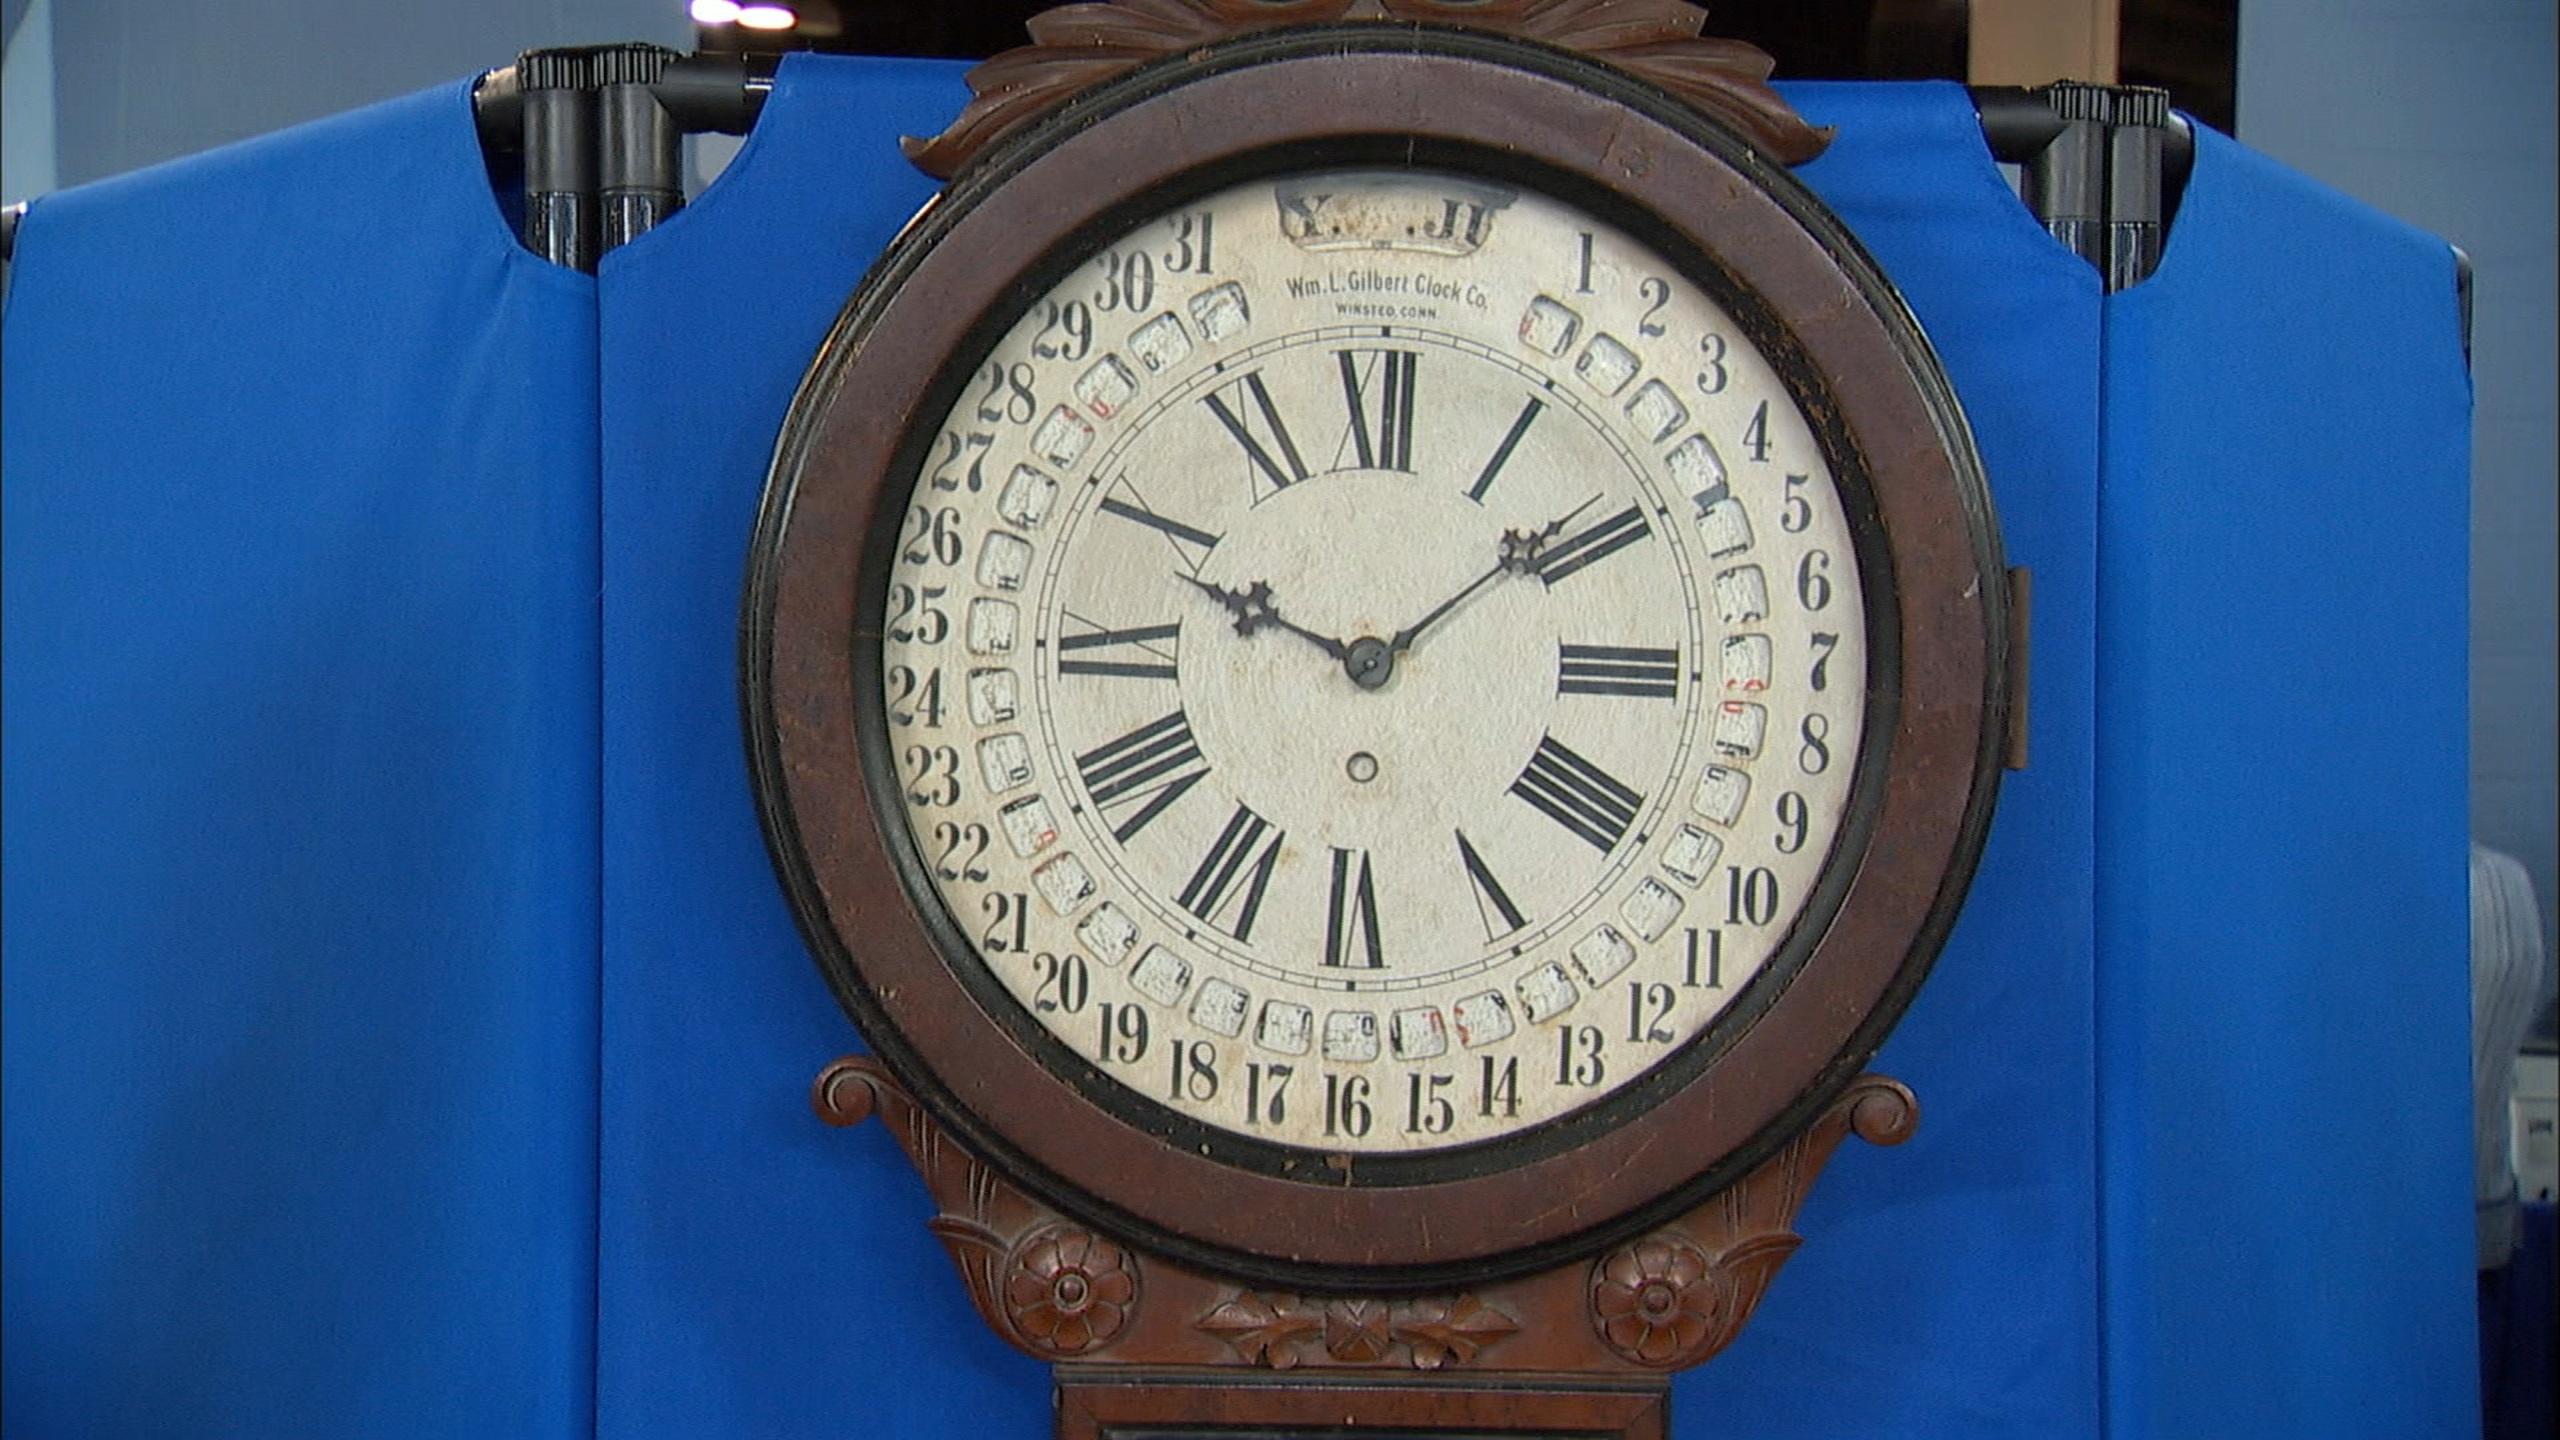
[(1378, 386), (1602, 540), (1502, 452), (1143, 652), (1234, 870), (1243, 405), (1351, 917), (1191, 544), (1142, 772), (1491, 899), (1617, 670), (1577, 794)]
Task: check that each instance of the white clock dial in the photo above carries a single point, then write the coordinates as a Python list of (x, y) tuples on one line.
[(1375, 661)]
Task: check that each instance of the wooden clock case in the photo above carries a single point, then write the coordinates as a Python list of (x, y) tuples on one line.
[(1549, 1282)]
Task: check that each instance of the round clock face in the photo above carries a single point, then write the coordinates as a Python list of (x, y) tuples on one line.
[(1375, 660)]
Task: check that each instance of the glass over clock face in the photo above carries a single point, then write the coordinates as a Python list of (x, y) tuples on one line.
[(1375, 662)]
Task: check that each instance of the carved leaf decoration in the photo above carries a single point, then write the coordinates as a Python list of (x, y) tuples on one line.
[(1746, 1269), (1077, 47), (975, 1249), (1264, 1329), (1729, 80), (1583, 24), (1436, 1331), (1452, 1332), (962, 1236)]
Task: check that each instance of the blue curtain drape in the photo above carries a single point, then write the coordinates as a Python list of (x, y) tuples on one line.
[(404, 1034)]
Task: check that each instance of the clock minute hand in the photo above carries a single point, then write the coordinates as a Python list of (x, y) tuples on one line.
[(1405, 637), (1254, 609), (1520, 552)]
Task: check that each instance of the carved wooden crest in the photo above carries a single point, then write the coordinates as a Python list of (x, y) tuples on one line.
[(1077, 47)]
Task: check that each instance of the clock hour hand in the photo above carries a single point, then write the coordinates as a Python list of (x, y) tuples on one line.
[(1254, 609)]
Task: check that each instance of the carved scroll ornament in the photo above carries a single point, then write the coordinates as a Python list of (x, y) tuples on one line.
[(1077, 47)]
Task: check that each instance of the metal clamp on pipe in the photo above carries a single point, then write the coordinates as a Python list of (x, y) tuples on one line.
[(2136, 220), (2102, 166), (599, 134), (2066, 183), (560, 193)]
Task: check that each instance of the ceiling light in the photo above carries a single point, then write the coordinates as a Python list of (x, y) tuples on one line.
[(714, 12), (767, 17)]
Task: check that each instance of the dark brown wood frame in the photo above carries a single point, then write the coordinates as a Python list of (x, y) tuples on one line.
[(841, 482)]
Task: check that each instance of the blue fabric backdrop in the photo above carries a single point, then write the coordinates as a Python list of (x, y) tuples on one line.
[(299, 992), (761, 1274), (1947, 1288), (351, 847), (2283, 884)]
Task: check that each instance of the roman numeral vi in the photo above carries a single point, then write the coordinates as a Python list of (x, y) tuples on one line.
[(1351, 916)]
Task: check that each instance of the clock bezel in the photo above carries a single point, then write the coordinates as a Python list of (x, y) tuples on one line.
[(1527, 116)]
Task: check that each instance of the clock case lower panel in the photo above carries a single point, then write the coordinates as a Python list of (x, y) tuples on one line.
[(1176, 1404)]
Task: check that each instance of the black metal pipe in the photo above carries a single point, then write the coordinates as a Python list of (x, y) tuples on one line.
[(2016, 122), (2103, 167), (2066, 182), (639, 151), (497, 108), (702, 94), (2462, 298), (715, 94), (560, 156), (2177, 162), (9, 218), (2136, 147)]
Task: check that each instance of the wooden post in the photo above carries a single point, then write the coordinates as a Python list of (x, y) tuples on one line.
[(2035, 42)]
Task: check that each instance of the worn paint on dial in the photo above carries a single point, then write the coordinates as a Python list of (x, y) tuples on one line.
[(1374, 661)]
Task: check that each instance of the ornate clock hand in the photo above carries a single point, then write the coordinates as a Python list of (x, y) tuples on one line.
[(1253, 608), (1405, 636), (1521, 550), (1519, 556)]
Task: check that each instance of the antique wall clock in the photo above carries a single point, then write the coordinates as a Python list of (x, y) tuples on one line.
[(1374, 661)]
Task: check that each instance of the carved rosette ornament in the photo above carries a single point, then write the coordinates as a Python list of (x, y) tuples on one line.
[(1076, 47), (1662, 1303), (1067, 1290), (1655, 1301)]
